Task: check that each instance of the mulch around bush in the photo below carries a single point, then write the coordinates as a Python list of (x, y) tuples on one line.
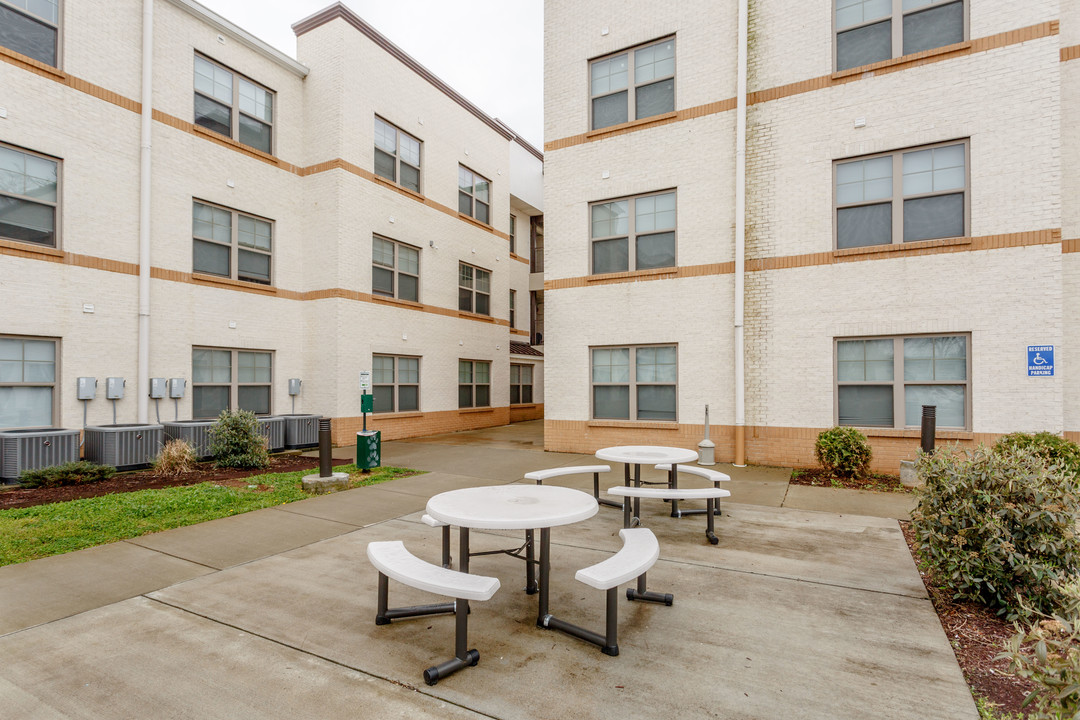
[(817, 477), (15, 497)]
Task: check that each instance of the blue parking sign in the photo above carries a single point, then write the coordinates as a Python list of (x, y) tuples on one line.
[(1040, 360)]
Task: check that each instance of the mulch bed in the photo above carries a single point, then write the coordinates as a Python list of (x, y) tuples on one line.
[(146, 480), (817, 477), (977, 636)]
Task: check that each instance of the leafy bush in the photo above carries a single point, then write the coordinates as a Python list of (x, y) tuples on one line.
[(235, 441), (175, 458), (998, 528), (1052, 449), (72, 473), (844, 451)]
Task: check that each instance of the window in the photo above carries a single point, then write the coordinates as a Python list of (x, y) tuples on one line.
[(521, 390), (513, 234), (474, 195), (513, 307), (884, 382), (474, 383), (868, 31), (902, 196), (29, 196), (635, 233), (651, 75), (230, 379), (218, 92), (397, 155), (27, 382), (395, 269), (474, 289), (31, 27), (395, 383), (634, 383), (226, 239)]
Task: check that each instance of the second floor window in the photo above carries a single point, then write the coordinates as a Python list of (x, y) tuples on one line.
[(869, 31), (29, 197), (234, 106), (231, 244), (31, 27), (474, 289), (474, 195), (397, 155), (395, 270), (635, 233), (513, 308), (632, 85), (513, 234)]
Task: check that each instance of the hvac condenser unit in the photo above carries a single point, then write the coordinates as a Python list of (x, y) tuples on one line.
[(195, 432), (272, 428), (301, 431), (35, 449), (125, 447)]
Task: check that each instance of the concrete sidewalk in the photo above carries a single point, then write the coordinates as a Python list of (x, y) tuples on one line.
[(797, 613)]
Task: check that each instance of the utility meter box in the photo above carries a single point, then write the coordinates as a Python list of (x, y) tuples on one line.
[(157, 388), (114, 388), (176, 387), (294, 386), (87, 388)]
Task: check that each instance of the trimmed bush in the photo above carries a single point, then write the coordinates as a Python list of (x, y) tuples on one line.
[(1049, 654), (843, 451), (235, 441), (72, 473), (1052, 449), (176, 457), (998, 528)]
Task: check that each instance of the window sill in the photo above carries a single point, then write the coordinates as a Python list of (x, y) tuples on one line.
[(630, 275), (903, 247), (475, 316), (202, 279), (473, 221), (911, 59), (31, 248), (397, 415), (631, 125), (523, 406), (641, 424), (236, 145), (472, 411), (410, 304), (36, 64), (400, 188), (915, 433)]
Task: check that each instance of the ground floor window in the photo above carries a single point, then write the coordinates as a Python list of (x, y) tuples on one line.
[(227, 379), (395, 383), (635, 382), (884, 382), (521, 384), (474, 383), (27, 382)]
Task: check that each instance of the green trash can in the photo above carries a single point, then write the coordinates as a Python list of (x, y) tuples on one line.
[(368, 449)]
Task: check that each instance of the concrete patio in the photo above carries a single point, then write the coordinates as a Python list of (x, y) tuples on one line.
[(798, 613)]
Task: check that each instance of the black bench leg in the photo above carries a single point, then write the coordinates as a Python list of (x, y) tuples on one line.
[(709, 527), (611, 635), (463, 657), (642, 594), (385, 614)]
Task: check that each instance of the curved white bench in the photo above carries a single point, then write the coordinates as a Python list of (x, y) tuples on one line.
[(639, 552), (711, 495), (541, 475), (392, 560), (432, 522), (714, 476)]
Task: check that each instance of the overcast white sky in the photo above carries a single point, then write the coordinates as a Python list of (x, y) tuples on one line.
[(490, 51)]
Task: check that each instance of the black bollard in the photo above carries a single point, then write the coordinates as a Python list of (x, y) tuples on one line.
[(929, 428), (324, 448)]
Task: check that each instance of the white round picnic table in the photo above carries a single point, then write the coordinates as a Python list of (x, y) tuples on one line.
[(636, 455), (514, 507)]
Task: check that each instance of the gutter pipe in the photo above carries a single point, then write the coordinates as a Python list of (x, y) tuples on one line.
[(143, 386), (740, 237)]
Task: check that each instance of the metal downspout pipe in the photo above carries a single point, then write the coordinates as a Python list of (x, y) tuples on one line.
[(143, 392), (740, 236)]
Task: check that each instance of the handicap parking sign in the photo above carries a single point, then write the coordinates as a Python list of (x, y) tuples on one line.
[(1040, 360)]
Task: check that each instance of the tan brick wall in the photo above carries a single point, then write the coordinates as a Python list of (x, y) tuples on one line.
[(407, 425)]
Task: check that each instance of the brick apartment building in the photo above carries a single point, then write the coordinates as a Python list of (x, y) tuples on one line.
[(217, 211), (903, 230)]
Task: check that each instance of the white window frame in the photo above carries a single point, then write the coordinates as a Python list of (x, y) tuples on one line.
[(57, 26), (235, 248), (632, 383), (471, 195), (55, 205), (395, 269), (398, 161), (632, 84), (234, 384), (54, 385), (896, 28), (471, 288), (397, 383), (234, 106), (632, 234)]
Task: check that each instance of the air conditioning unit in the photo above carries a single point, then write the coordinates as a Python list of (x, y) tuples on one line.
[(126, 447), (301, 431), (195, 432), (35, 449), (273, 429)]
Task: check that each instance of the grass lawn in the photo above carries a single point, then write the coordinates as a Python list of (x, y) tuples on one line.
[(44, 530)]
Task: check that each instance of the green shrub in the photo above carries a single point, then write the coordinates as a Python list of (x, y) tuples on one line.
[(1048, 653), (998, 528), (844, 451), (175, 458), (72, 473), (235, 441), (1054, 450)]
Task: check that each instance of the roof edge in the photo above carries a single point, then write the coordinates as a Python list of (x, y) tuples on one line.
[(238, 33), (522, 141), (338, 10)]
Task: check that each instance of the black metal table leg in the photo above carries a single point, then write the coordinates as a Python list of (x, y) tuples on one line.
[(463, 549), (673, 483), (545, 575), (530, 568), (637, 483)]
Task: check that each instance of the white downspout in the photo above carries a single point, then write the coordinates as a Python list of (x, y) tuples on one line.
[(740, 236), (143, 391)]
